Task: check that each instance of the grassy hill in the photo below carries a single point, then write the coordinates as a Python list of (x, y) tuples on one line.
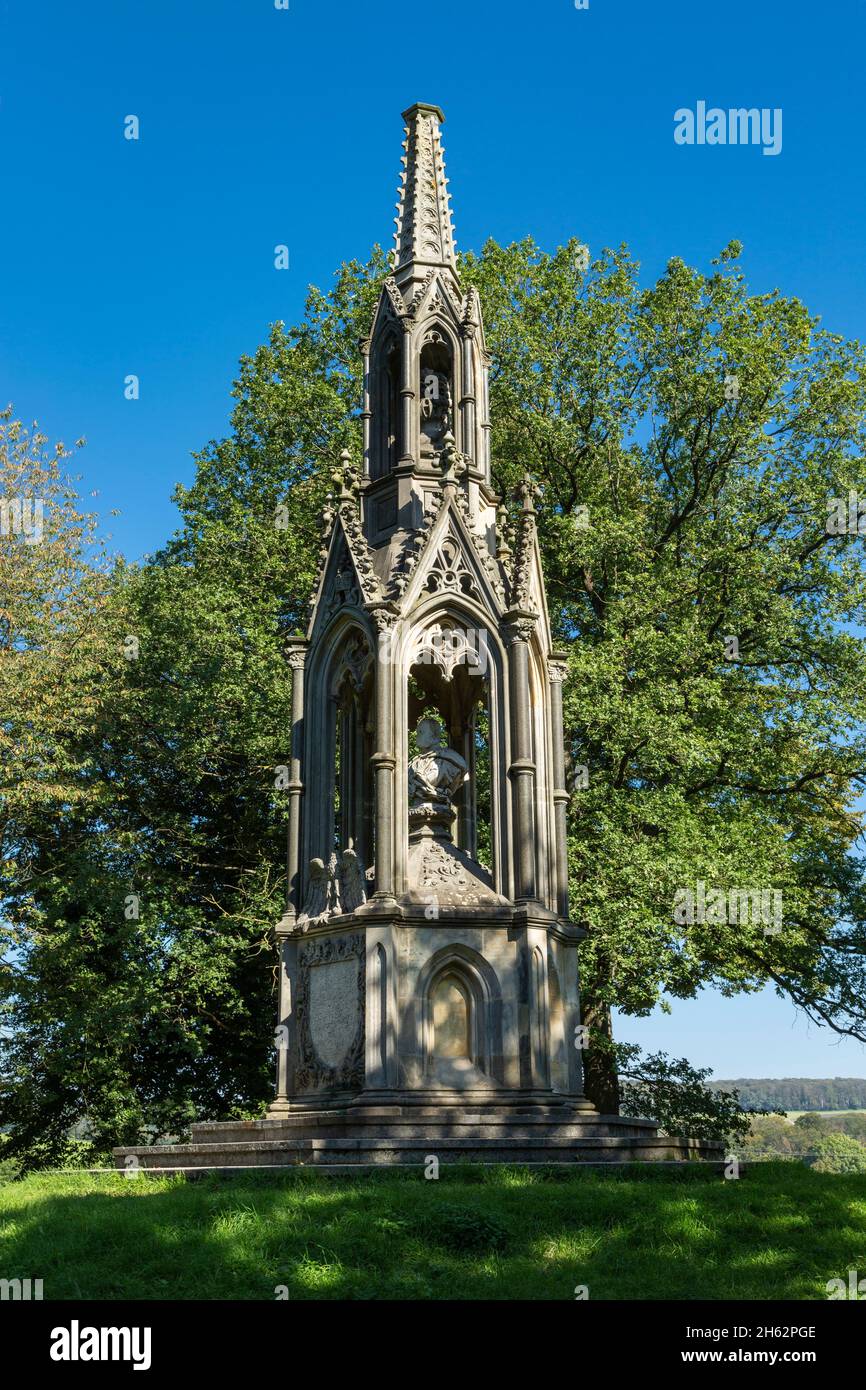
[(778, 1232)]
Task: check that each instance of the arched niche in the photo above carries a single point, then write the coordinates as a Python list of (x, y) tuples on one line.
[(542, 756), (459, 1013), (452, 665), (385, 374), (339, 743), (437, 390)]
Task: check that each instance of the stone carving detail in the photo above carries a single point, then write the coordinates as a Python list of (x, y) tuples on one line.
[(448, 646), (439, 868), (333, 888), (436, 410), (353, 881), (354, 664), (424, 230), (312, 1073), (436, 775), (520, 630), (330, 948), (491, 566), (521, 573), (360, 550), (323, 893), (345, 592), (395, 297), (450, 572)]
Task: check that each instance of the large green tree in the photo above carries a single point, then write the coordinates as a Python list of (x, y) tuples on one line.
[(685, 439)]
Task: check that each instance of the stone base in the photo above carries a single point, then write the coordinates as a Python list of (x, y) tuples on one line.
[(381, 1132)]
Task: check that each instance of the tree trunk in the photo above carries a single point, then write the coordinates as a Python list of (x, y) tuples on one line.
[(600, 1081)]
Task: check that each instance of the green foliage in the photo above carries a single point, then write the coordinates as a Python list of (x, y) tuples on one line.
[(674, 1094), (772, 1136), (706, 519), (839, 1153), (800, 1093), (460, 1228)]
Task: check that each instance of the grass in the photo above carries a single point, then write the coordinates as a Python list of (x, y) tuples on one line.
[(778, 1232)]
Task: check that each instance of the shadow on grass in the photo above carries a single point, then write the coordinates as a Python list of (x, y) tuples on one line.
[(780, 1231)]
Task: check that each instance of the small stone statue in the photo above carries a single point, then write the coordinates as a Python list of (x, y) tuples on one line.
[(436, 775), (435, 409), (323, 893), (353, 881)]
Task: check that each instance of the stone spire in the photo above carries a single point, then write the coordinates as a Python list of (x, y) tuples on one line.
[(425, 237)]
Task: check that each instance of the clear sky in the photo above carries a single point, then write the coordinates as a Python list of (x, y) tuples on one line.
[(262, 126)]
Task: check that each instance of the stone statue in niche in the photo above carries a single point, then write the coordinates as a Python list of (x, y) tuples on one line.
[(436, 775), (435, 410)]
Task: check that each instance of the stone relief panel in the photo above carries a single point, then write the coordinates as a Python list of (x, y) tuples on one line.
[(330, 1013)]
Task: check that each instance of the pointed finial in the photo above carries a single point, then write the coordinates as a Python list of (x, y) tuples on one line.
[(425, 235), (528, 493), (345, 476)]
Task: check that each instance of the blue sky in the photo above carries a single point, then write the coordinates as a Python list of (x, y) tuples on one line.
[(261, 126)]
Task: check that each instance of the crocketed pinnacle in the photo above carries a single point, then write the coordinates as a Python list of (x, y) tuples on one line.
[(424, 236)]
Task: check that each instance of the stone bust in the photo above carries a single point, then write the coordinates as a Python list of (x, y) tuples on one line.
[(437, 772), (435, 408)]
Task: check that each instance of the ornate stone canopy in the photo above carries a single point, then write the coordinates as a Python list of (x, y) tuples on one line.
[(428, 967)]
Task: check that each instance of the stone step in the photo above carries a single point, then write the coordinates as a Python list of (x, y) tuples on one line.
[(326, 1153), (425, 1132)]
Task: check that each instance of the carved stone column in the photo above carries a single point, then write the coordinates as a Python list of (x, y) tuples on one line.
[(467, 404), (384, 759), (557, 668), (520, 626), (297, 656), (285, 1033), (407, 397), (367, 412)]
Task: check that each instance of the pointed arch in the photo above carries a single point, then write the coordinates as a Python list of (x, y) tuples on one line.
[(476, 983), (339, 698), (470, 617)]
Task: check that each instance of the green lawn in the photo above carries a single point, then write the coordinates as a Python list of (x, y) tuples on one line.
[(780, 1231)]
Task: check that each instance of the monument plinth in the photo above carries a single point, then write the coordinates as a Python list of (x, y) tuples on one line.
[(429, 970)]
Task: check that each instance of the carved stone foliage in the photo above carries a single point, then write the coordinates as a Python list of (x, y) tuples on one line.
[(312, 1072), (441, 873), (520, 630), (361, 555)]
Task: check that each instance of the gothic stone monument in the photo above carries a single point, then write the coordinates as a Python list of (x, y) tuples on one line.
[(429, 971)]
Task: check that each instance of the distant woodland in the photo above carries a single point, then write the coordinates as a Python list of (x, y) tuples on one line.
[(798, 1093)]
